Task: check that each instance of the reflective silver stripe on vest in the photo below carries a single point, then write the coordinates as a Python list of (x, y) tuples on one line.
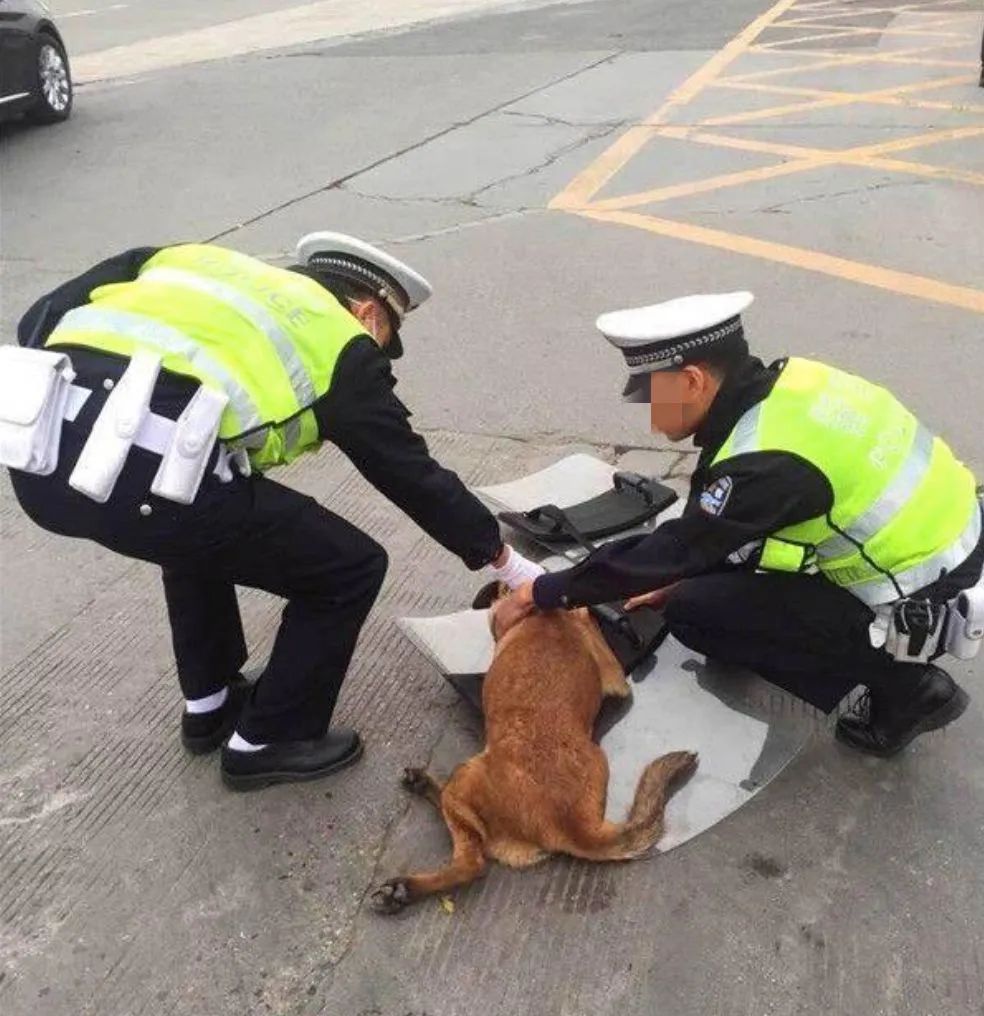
[(165, 340), (892, 500), (255, 313), (881, 590), (292, 433), (746, 435)]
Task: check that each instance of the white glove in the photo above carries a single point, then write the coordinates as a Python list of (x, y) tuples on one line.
[(517, 570)]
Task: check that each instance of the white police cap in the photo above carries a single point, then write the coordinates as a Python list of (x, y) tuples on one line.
[(667, 335), (349, 258)]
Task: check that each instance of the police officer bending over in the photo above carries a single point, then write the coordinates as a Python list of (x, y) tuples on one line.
[(196, 370), (825, 531)]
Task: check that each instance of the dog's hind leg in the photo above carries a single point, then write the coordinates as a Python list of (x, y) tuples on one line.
[(468, 862), (421, 783)]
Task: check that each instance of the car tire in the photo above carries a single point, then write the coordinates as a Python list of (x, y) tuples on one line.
[(54, 82)]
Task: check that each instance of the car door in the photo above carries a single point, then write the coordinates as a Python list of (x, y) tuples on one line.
[(16, 53)]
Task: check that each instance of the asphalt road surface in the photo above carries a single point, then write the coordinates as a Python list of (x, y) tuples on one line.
[(541, 163)]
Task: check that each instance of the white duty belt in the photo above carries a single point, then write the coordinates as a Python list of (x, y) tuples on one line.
[(37, 395)]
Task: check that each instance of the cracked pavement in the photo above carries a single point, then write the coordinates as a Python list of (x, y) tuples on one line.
[(131, 884)]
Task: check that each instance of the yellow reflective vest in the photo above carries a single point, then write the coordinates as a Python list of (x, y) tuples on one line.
[(269, 338), (905, 509)]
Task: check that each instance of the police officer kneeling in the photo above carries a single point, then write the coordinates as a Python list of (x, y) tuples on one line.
[(825, 535), (170, 381)]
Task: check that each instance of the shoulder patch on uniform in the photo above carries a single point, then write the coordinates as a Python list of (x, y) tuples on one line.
[(716, 495)]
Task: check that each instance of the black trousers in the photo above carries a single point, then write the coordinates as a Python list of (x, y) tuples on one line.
[(250, 532), (328, 571), (800, 632)]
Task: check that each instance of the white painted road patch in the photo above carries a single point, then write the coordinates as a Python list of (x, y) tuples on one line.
[(88, 12), (330, 19)]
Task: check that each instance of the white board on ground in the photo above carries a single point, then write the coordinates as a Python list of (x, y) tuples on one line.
[(745, 730), (565, 483)]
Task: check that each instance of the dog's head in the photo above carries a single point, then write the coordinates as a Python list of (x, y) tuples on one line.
[(488, 598), (489, 594)]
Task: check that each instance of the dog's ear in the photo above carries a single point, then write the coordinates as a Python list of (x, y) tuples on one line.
[(488, 594)]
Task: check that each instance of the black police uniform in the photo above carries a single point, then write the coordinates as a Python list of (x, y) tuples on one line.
[(255, 532), (800, 632)]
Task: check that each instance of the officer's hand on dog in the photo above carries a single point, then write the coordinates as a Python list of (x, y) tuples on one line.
[(512, 609), (656, 599)]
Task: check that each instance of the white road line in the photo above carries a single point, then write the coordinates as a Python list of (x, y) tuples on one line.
[(91, 10), (312, 22)]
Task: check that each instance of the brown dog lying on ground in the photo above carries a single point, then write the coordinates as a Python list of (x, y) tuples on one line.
[(541, 784)]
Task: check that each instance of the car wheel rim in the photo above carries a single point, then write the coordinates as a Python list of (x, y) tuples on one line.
[(54, 78)]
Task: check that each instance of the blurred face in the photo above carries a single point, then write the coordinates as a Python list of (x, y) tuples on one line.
[(680, 400), (373, 315)]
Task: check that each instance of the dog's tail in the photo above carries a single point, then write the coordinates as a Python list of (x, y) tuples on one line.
[(658, 781), (644, 826)]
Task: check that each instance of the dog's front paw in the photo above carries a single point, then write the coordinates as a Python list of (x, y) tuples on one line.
[(391, 897)]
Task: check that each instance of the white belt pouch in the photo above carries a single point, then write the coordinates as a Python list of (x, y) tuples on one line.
[(116, 429), (35, 394), (189, 447)]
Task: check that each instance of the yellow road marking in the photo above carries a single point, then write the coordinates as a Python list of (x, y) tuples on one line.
[(861, 12), (918, 140), (745, 144), (592, 179), (934, 63), (870, 97), (755, 115), (580, 196), (889, 58), (829, 31), (713, 183), (814, 159), (922, 287), (835, 99), (948, 19), (950, 173), (781, 45), (840, 60), (802, 153)]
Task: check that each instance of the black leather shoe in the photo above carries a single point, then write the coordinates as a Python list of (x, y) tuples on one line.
[(883, 726), (291, 761), (204, 732)]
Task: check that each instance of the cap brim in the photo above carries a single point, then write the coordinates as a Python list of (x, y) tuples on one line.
[(416, 287), (637, 389)]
